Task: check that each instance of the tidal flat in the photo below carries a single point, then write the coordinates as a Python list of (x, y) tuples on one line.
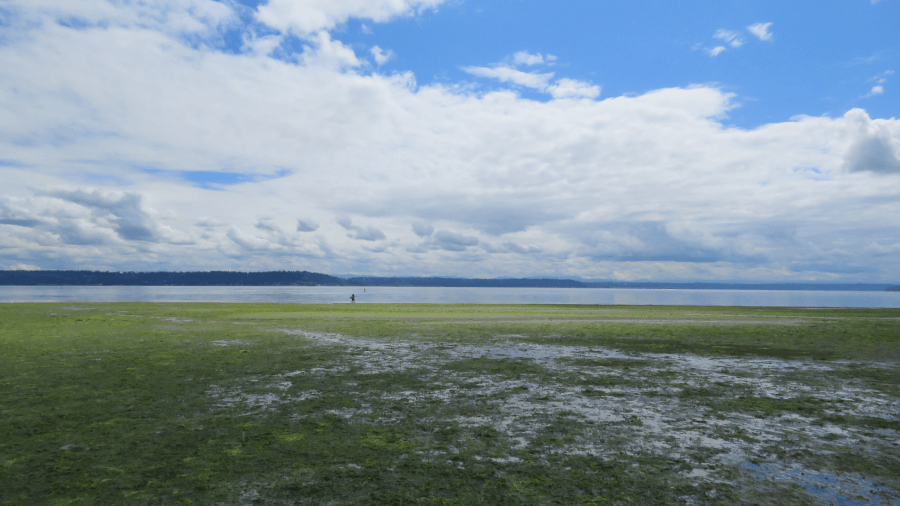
[(284, 404)]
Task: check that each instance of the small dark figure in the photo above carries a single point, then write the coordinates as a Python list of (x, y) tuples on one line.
[(352, 297)]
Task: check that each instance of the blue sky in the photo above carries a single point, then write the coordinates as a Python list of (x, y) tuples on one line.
[(701, 140), (823, 58)]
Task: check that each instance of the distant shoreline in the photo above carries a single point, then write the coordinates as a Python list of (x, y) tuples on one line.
[(305, 278)]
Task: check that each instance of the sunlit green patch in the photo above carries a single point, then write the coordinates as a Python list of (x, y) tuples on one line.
[(509, 368), (850, 460), (869, 422), (622, 363), (885, 379), (769, 406)]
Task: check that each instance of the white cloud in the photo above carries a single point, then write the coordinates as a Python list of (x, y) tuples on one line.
[(526, 58), (381, 56), (652, 185), (514, 76), (307, 226), (360, 233), (731, 38), (171, 16), (23, 267), (716, 51), (570, 88), (261, 46), (310, 16), (874, 149), (561, 88), (882, 77), (422, 230), (329, 53), (879, 80), (761, 30)]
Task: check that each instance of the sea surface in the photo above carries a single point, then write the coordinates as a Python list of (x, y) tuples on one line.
[(341, 294)]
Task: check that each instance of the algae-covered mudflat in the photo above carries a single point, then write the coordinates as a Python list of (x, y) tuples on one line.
[(447, 404)]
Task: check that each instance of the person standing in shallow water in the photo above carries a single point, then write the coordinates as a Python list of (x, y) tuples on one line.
[(352, 297)]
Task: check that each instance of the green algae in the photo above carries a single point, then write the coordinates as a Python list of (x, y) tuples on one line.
[(218, 404)]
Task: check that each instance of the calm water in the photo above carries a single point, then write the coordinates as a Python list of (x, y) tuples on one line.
[(341, 294)]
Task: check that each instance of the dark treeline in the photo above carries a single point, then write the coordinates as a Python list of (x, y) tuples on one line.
[(304, 278), (211, 278), (893, 288), (466, 282)]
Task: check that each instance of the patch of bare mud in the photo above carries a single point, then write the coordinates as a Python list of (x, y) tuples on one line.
[(735, 419), (256, 403)]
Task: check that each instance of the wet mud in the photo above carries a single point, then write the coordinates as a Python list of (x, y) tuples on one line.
[(744, 423)]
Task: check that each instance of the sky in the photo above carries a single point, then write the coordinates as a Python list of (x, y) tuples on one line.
[(645, 140)]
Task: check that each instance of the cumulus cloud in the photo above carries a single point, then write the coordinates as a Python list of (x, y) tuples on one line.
[(875, 149), (309, 16), (268, 225), (273, 242), (327, 52), (879, 80), (307, 226), (248, 242), (381, 56), (526, 58), (761, 30), (261, 46), (422, 230), (360, 233), (447, 241), (716, 51), (571, 88), (124, 213)]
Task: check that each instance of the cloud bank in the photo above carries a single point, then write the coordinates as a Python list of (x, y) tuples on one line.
[(335, 167), (309, 16)]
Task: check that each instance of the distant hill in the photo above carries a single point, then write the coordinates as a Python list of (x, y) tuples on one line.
[(466, 282), (893, 288), (305, 278), (571, 283)]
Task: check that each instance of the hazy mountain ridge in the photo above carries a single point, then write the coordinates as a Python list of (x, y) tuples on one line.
[(306, 278)]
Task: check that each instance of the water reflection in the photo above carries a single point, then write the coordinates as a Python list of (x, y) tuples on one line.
[(341, 294)]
